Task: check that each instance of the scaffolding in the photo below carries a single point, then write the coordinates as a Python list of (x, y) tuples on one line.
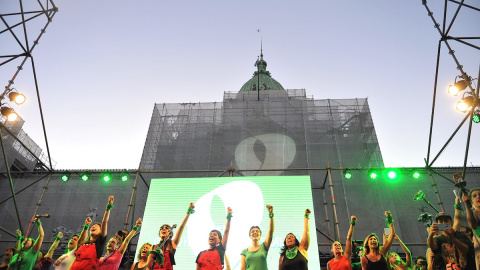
[(284, 129)]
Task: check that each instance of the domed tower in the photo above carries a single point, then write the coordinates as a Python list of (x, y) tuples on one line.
[(261, 78)]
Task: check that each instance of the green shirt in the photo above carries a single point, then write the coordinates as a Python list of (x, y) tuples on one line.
[(256, 260), (25, 262)]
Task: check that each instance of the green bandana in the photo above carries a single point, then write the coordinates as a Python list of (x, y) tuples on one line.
[(158, 255), (291, 253), (477, 231)]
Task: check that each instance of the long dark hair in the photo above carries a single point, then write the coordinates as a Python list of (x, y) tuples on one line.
[(285, 248)]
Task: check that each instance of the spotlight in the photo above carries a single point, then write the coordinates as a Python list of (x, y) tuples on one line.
[(372, 174), (416, 175), (457, 87), (9, 113), (85, 177), (465, 103), (17, 97), (65, 177), (107, 177), (124, 177)]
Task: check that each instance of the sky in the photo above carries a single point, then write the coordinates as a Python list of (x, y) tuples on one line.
[(102, 65)]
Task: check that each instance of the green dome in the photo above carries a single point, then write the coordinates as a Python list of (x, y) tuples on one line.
[(266, 80)]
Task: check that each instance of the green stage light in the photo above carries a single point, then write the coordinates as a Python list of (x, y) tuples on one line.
[(85, 177), (392, 174), (65, 177), (372, 174), (416, 175), (347, 175), (476, 117), (124, 177), (107, 177)]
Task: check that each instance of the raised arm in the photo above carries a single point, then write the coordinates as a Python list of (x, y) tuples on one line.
[(472, 222), (306, 231), (19, 240), (432, 244), (127, 239), (54, 245), (227, 228), (106, 216), (348, 245), (41, 235), (178, 235), (457, 223), (271, 228), (407, 252), (389, 242), (84, 234)]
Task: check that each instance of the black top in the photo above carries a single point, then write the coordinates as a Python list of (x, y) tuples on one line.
[(299, 262), (378, 265), (136, 267)]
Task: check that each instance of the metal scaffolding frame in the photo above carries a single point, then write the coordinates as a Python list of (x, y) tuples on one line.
[(445, 38)]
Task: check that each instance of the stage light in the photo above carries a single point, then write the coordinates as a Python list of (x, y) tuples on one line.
[(107, 177), (476, 116), (9, 113), (85, 177), (416, 175), (65, 177), (392, 174), (17, 98), (124, 177), (372, 174), (465, 103), (457, 87)]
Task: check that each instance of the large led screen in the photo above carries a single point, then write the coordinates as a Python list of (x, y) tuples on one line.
[(168, 201)]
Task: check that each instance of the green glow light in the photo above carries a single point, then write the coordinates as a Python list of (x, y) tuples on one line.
[(373, 175), (65, 177), (416, 175), (124, 177), (348, 175), (476, 118), (85, 177), (392, 174), (107, 177)]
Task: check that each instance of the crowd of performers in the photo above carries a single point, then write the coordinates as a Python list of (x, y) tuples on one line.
[(451, 247)]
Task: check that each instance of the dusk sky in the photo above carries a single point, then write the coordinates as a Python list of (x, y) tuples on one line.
[(102, 65)]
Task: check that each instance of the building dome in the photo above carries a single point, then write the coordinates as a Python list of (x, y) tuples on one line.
[(261, 77)]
